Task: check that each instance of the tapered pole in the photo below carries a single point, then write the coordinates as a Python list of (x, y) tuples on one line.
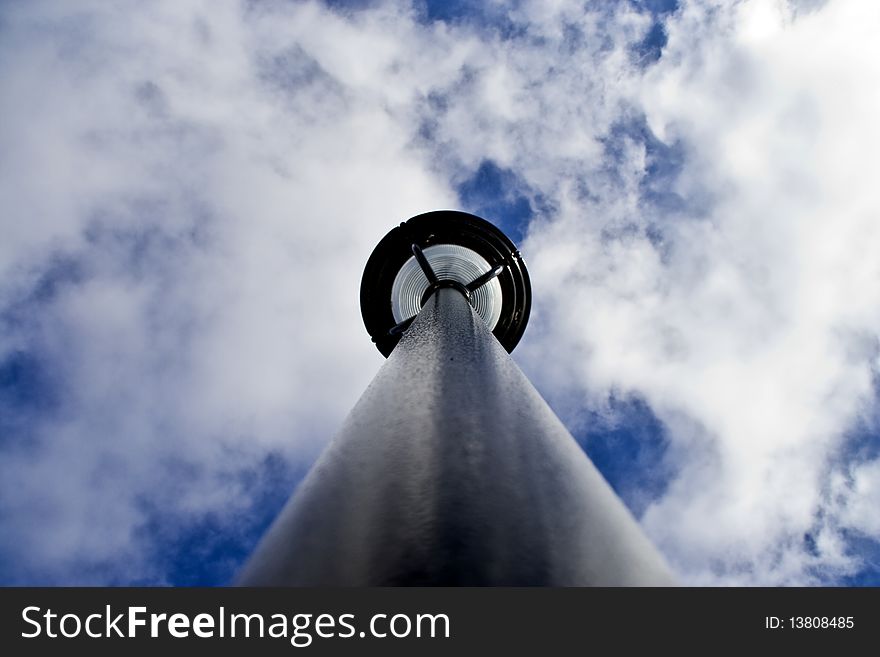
[(452, 470)]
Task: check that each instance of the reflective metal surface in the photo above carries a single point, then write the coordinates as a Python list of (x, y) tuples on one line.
[(452, 470)]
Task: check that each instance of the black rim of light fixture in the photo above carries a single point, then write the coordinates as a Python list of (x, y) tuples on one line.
[(444, 227)]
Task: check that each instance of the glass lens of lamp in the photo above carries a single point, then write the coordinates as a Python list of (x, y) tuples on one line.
[(449, 262)]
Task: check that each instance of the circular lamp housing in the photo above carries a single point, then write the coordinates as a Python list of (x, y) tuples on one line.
[(459, 248)]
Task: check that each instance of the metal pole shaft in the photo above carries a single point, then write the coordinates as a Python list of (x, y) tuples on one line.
[(452, 470)]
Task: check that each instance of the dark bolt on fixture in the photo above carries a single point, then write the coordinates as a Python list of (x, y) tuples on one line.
[(451, 469)]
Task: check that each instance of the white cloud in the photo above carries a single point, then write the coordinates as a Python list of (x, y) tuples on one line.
[(219, 220), (760, 320), (206, 180)]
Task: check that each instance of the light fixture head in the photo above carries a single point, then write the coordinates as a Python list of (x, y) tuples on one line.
[(445, 248)]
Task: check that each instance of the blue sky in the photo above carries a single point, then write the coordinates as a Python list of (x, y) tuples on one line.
[(691, 184)]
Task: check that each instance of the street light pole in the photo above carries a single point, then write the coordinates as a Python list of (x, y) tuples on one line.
[(452, 470)]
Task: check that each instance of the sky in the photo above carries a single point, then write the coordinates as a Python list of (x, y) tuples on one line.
[(189, 192)]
